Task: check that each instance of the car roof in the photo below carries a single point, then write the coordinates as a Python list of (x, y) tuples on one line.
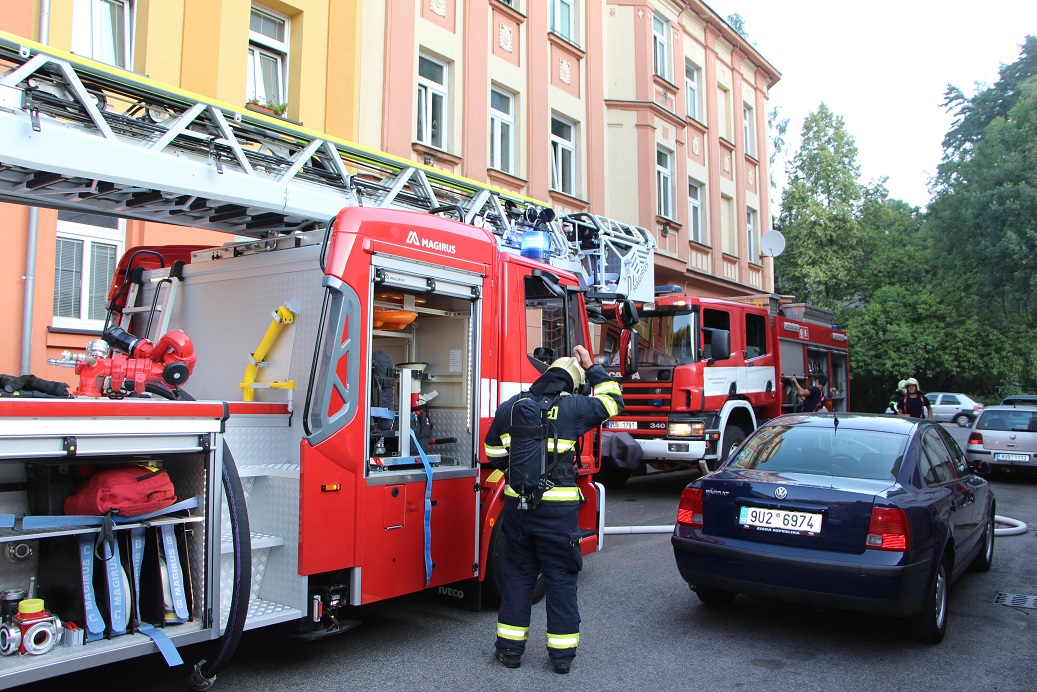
[(1011, 407), (1020, 398), (878, 422)]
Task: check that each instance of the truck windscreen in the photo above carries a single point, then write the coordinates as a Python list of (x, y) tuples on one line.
[(666, 338)]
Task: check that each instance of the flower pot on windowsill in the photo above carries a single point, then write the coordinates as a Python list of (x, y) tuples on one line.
[(267, 110)]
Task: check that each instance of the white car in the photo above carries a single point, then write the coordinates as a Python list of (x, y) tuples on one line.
[(956, 408)]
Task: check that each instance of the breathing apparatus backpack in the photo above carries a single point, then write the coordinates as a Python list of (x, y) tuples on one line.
[(529, 471)]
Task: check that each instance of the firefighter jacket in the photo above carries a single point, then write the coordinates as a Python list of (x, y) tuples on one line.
[(572, 416)]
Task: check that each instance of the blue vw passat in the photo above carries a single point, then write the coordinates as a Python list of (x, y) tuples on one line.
[(854, 511)]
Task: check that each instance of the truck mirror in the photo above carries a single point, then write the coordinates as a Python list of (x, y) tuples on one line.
[(720, 345), (629, 361), (543, 285), (627, 312)]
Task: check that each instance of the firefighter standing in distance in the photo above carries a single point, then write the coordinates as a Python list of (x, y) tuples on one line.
[(543, 534)]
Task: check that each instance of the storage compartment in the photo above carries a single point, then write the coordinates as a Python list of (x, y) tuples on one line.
[(422, 383), (94, 588)]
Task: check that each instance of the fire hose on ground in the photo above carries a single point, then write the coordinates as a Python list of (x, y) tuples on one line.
[(1014, 527)]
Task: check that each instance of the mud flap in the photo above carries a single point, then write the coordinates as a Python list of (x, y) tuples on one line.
[(466, 594)]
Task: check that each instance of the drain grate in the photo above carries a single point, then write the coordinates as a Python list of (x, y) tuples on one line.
[(1017, 600)]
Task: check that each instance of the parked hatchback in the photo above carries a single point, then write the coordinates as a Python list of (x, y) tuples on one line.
[(1004, 438), (854, 511), (956, 408)]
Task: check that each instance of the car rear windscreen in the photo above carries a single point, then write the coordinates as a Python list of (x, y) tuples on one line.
[(824, 451), (1015, 421)]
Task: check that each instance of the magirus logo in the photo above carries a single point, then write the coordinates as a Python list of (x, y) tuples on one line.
[(414, 239)]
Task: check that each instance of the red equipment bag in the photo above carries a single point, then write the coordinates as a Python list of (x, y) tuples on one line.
[(128, 490)]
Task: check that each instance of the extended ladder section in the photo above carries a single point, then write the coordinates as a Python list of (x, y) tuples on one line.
[(79, 135)]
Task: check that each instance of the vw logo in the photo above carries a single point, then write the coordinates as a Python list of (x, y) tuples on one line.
[(780, 492)]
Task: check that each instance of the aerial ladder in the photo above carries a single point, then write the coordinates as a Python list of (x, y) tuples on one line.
[(79, 135)]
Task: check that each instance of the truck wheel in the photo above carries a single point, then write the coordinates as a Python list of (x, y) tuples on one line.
[(611, 476), (733, 436), (493, 585)]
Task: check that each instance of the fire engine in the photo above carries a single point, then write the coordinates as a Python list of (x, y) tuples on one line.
[(316, 389), (699, 374)]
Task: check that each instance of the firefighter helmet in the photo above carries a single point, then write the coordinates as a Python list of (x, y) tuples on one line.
[(572, 368), (911, 381)]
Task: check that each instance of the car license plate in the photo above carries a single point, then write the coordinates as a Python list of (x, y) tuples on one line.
[(1001, 456), (781, 521), (622, 424)]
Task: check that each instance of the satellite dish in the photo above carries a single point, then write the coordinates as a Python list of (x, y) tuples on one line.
[(772, 243)]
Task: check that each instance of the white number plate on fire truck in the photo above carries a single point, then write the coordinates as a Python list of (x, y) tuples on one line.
[(1001, 456), (782, 521), (622, 424)]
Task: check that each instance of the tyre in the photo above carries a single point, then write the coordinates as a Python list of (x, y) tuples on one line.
[(714, 597), (611, 476), (930, 625), (733, 436), (963, 420), (493, 585), (986, 555)]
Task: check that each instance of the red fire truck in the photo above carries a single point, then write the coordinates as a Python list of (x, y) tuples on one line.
[(316, 389), (700, 374)]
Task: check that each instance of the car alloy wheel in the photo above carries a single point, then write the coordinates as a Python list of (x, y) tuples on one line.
[(931, 624), (986, 556), (963, 420)]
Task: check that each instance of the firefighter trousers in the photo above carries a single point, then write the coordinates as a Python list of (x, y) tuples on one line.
[(545, 539)]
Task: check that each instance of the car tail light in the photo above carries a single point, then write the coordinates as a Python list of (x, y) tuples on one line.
[(975, 439), (888, 529), (689, 512)]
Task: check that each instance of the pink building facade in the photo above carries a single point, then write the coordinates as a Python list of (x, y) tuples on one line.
[(652, 112)]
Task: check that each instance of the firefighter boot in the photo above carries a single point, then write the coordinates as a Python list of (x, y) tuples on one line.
[(562, 665), (508, 659)]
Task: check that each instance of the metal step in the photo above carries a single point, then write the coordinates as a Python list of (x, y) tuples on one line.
[(259, 541), (286, 470)]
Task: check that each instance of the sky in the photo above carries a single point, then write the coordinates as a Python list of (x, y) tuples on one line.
[(883, 66)]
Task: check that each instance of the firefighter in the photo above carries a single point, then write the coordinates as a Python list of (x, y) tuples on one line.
[(545, 536), (914, 403)]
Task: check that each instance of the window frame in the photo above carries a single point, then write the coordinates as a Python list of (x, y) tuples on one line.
[(90, 236), (661, 47), (691, 91), (695, 227), (260, 44), (555, 22), (664, 183), (560, 146), (499, 119), (752, 245), (749, 129), (428, 91), (88, 44)]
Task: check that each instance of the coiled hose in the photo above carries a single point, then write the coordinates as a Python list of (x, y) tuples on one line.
[(203, 677)]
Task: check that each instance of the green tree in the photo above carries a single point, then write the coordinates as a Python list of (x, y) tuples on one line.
[(737, 22), (819, 208)]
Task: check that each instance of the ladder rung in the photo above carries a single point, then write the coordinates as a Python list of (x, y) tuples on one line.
[(142, 308)]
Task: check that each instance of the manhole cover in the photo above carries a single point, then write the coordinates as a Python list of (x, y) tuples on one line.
[(1017, 600)]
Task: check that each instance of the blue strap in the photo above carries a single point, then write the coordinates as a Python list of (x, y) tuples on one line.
[(93, 617), (428, 508), (117, 599), (6, 521), (381, 412), (44, 521), (164, 643), (176, 577)]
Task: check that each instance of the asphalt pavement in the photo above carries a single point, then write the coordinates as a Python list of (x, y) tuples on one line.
[(643, 629)]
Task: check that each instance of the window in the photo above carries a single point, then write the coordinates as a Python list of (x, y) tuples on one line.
[(563, 16), (749, 130), (103, 30), (663, 184), (695, 212), (750, 232), (755, 335), (712, 321), (950, 400), (563, 156), (936, 463), (88, 247), (502, 131), (661, 46), (432, 102), (266, 78), (553, 323), (691, 91)]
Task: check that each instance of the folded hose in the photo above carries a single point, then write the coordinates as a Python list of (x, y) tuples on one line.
[(204, 674)]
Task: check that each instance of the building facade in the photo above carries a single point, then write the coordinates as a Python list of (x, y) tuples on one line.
[(652, 112)]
